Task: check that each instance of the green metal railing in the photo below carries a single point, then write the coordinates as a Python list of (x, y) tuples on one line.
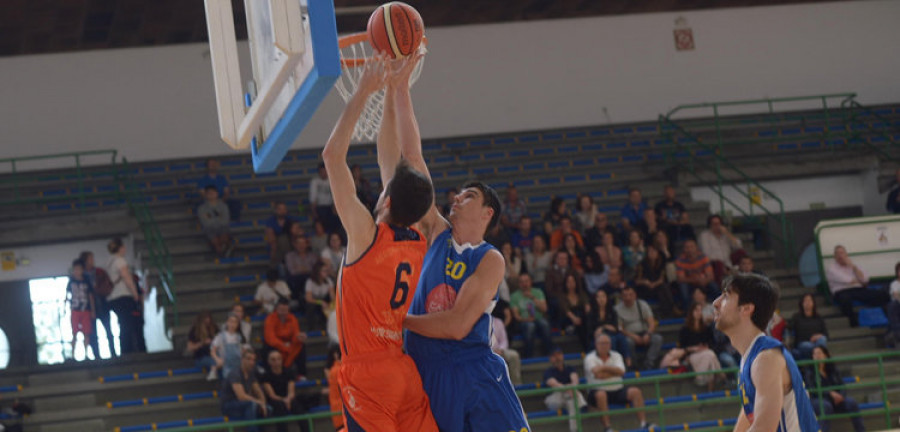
[(856, 114), (25, 192), (821, 255), (660, 409)]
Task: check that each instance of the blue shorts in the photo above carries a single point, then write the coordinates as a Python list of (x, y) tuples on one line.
[(472, 392)]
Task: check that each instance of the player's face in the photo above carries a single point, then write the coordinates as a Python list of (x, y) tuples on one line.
[(467, 205), (727, 311), (77, 271)]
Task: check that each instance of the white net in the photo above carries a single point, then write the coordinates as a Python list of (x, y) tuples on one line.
[(355, 49)]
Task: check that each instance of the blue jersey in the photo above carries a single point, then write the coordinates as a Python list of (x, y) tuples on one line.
[(796, 412), (446, 266)]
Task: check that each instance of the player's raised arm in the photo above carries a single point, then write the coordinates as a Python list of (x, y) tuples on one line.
[(742, 423), (411, 141), (475, 295), (768, 373), (354, 215)]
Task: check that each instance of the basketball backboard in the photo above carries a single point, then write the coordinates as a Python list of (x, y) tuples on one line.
[(295, 61)]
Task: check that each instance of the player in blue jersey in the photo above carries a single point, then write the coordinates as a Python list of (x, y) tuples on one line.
[(773, 398)]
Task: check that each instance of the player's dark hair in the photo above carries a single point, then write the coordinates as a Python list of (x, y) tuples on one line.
[(411, 194), (757, 290), (491, 199)]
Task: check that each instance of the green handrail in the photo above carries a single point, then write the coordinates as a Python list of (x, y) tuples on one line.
[(856, 110), (660, 408), (672, 129)]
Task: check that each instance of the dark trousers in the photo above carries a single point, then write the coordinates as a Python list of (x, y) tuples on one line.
[(131, 325), (237, 410), (848, 406), (102, 307), (869, 297), (297, 408)]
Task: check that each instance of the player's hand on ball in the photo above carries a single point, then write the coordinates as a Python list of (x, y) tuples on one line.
[(374, 75)]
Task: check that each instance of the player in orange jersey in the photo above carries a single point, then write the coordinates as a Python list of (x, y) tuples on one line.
[(380, 386)]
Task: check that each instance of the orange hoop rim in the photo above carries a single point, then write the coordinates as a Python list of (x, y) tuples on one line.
[(353, 39)]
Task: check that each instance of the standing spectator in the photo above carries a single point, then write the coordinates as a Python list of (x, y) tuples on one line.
[(554, 215), (318, 241), (560, 375), (605, 368), (595, 273), (319, 295), (593, 236), (364, 189), (125, 299), (721, 247), (500, 345), (893, 311), (529, 306), (604, 318), (216, 222), (615, 283), (893, 198), (524, 235), (271, 291), (808, 328), (694, 342), (333, 255), (565, 228), (575, 307), (97, 276), (538, 259), (244, 326), (321, 200), (242, 397), (633, 253), (282, 333), (650, 281), (299, 264), (586, 213), (276, 232), (80, 296), (633, 211), (513, 209), (225, 348), (637, 323), (694, 271), (199, 343), (835, 401), (848, 284), (672, 216), (279, 388), (213, 178)]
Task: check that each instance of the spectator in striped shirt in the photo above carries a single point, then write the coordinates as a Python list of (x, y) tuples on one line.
[(694, 271)]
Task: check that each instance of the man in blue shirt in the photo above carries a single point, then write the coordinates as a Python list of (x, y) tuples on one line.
[(213, 178), (561, 375), (633, 212)]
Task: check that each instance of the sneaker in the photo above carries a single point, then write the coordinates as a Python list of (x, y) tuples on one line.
[(211, 376)]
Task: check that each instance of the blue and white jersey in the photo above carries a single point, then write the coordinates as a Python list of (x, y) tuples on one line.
[(797, 413), (446, 267)]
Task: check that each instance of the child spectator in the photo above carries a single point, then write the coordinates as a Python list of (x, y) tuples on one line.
[(225, 349), (80, 295)]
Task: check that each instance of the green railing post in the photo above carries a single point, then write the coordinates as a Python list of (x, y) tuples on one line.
[(884, 397), (577, 409), (660, 412)]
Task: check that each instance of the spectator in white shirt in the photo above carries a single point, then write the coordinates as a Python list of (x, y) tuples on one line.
[(333, 255), (721, 247), (847, 283), (270, 291), (605, 368)]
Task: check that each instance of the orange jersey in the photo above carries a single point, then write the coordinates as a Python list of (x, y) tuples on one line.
[(375, 291)]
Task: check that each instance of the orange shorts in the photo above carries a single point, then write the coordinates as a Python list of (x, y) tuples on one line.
[(383, 392), (83, 322)]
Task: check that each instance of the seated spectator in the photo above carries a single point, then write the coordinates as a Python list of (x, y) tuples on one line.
[(513, 209), (633, 211), (649, 226), (662, 244), (893, 199), (199, 343), (333, 373), (279, 388), (271, 291), (560, 375), (673, 218), (500, 345), (225, 349), (721, 247), (834, 401), (706, 308), (497, 235), (576, 253), (553, 217), (593, 236), (650, 281), (524, 234), (529, 306), (80, 296), (604, 318), (450, 197), (333, 255), (538, 259), (808, 328), (605, 368), (554, 282), (319, 295), (638, 325), (615, 283), (318, 241), (282, 333), (694, 271), (575, 307), (213, 178), (848, 284), (776, 327), (242, 397), (513, 258), (610, 254), (595, 273), (244, 326), (366, 193), (299, 264), (585, 213), (892, 337), (322, 202), (633, 253), (695, 340), (276, 230), (216, 223), (565, 229)]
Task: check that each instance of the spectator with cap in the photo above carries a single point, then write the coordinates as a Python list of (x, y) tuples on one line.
[(605, 368), (561, 375), (848, 285)]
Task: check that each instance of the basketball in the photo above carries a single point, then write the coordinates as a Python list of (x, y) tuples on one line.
[(396, 28)]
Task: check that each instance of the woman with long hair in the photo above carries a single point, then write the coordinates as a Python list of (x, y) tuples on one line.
[(808, 328), (576, 253), (555, 214), (538, 259), (199, 343), (595, 273), (513, 258), (604, 318), (575, 307), (834, 401), (226, 348), (319, 295), (650, 281), (694, 342), (125, 299), (333, 255), (586, 212)]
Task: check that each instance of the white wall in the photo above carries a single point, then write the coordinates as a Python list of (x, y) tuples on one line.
[(879, 236), (156, 103), (56, 260)]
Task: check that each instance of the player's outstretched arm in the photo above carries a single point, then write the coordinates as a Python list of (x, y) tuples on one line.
[(387, 143), (476, 294), (768, 373), (354, 215)]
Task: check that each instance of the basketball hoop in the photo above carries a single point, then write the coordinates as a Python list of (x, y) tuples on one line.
[(355, 51)]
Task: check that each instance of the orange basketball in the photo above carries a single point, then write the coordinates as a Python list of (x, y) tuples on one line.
[(396, 28)]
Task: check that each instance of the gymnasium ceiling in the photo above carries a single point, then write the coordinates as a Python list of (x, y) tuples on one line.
[(49, 26)]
